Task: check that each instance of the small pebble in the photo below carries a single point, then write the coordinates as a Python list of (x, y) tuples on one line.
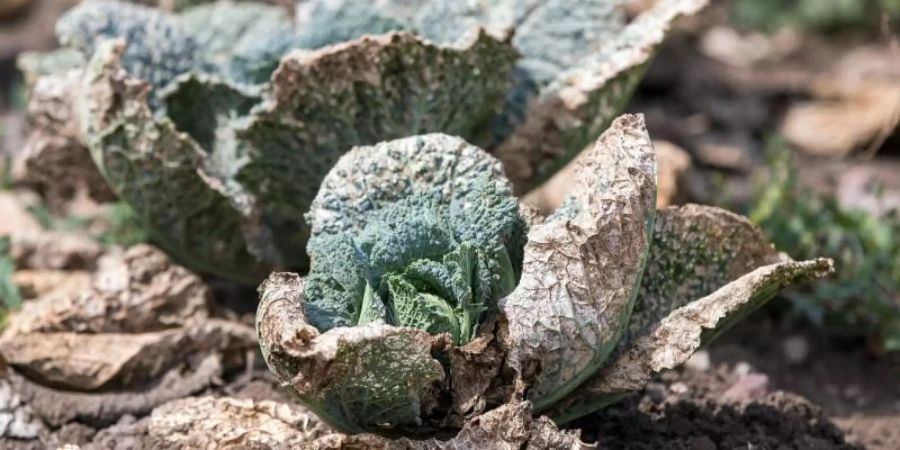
[(748, 387), (699, 361), (742, 368), (656, 392), (796, 349), (678, 388)]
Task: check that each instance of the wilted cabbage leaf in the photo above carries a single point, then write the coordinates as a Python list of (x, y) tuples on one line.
[(610, 291), (267, 103)]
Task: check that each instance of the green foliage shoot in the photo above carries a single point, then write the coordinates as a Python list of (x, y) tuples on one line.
[(865, 293), (10, 297), (419, 263), (771, 15), (117, 225)]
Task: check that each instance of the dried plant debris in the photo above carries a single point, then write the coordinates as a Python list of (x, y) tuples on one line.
[(233, 112), (57, 407), (140, 290), (139, 335), (39, 249), (208, 422), (844, 115), (29, 246), (509, 426), (56, 283), (602, 295), (55, 160), (17, 420)]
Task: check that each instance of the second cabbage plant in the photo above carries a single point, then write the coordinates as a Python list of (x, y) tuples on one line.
[(224, 117)]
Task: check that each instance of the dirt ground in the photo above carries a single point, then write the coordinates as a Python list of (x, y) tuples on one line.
[(752, 387)]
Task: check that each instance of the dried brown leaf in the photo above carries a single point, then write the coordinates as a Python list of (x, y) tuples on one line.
[(684, 331), (57, 407), (356, 378), (52, 283), (229, 423), (91, 361), (56, 160), (582, 267), (39, 249), (511, 426), (843, 117), (138, 291)]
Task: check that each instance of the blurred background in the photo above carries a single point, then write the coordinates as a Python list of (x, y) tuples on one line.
[(784, 110)]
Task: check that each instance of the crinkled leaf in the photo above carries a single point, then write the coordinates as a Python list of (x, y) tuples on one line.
[(357, 93), (372, 308), (157, 170), (461, 264), (413, 228), (410, 308), (569, 111), (338, 283), (159, 49), (327, 22), (365, 378), (682, 332), (239, 37), (580, 276), (440, 278), (484, 215), (369, 179), (695, 250)]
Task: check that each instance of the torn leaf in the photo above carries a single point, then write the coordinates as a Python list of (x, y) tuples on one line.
[(368, 377), (679, 334)]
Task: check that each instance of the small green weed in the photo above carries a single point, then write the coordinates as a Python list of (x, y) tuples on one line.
[(864, 294)]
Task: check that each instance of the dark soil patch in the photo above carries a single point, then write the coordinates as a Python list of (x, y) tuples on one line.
[(758, 394), (858, 389), (686, 410)]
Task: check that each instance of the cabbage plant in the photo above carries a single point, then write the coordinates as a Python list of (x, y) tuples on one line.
[(433, 296), (217, 123)]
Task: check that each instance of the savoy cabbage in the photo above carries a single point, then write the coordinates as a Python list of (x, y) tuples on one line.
[(398, 329), (217, 123)]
